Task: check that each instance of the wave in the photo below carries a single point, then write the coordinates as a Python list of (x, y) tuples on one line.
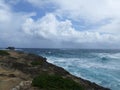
[(87, 62), (99, 66), (94, 69), (108, 55)]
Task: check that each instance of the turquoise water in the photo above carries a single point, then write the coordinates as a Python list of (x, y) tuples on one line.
[(99, 66)]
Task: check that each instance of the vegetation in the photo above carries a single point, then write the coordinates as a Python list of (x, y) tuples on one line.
[(2, 52), (55, 82), (35, 63)]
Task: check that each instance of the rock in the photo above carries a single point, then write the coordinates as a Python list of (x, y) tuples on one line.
[(24, 85), (10, 48), (11, 75)]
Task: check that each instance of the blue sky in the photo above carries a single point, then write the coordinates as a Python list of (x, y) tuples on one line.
[(60, 23)]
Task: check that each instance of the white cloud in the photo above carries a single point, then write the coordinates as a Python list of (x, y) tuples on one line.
[(50, 28), (4, 12), (113, 28), (10, 25), (92, 10), (39, 3), (20, 29)]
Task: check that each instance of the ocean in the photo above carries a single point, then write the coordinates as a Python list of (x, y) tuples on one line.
[(99, 66)]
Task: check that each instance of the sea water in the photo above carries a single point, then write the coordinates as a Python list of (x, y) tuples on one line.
[(99, 66)]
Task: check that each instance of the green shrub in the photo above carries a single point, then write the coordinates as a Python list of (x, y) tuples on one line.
[(35, 63), (2, 52), (54, 82)]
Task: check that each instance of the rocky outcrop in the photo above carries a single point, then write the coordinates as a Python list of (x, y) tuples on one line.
[(10, 48), (20, 68)]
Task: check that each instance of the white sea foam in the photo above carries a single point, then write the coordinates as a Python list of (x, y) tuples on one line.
[(94, 65), (84, 63), (93, 69), (108, 55)]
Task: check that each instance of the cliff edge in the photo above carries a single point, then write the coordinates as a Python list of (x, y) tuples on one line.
[(25, 71)]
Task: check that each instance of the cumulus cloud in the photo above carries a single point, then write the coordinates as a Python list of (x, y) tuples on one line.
[(92, 10), (10, 26), (50, 28), (20, 29)]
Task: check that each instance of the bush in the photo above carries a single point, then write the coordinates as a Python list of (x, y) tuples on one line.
[(2, 52), (35, 63), (54, 82)]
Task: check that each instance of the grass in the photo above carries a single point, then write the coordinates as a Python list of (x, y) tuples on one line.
[(54, 82), (36, 63), (3, 53)]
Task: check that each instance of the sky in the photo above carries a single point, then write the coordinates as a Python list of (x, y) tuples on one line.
[(60, 24)]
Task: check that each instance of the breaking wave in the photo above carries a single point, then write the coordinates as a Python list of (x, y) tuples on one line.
[(99, 66)]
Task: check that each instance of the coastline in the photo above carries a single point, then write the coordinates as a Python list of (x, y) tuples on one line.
[(19, 63)]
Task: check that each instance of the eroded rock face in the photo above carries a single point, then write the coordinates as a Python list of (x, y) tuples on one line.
[(20, 68), (23, 85)]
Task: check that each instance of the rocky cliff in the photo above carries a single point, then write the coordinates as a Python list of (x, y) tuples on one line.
[(19, 69)]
